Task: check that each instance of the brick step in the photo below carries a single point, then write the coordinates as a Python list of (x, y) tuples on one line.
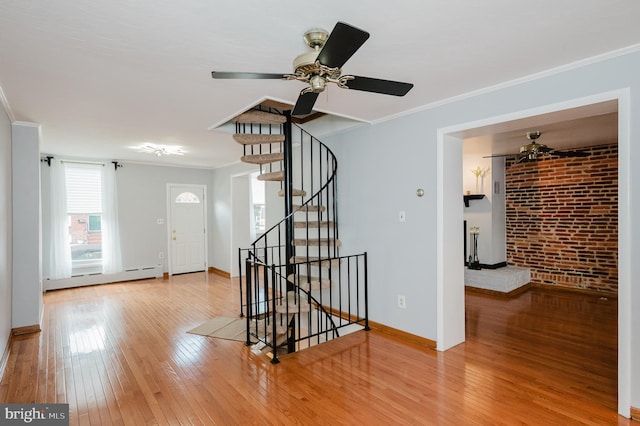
[(260, 117), (255, 139), (263, 158), (308, 283), (272, 177)]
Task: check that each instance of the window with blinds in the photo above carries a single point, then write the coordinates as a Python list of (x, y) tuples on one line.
[(83, 184)]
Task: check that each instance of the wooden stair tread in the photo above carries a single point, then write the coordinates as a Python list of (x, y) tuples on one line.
[(262, 158), (272, 176), (310, 283), (315, 242), (323, 261), (313, 224), (308, 208), (292, 303), (265, 328), (256, 139), (296, 193), (260, 117), (271, 103)]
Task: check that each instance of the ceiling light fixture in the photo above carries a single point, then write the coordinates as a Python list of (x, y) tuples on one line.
[(160, 150)]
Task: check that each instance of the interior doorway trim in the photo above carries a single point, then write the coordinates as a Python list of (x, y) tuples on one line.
[(450, 284)]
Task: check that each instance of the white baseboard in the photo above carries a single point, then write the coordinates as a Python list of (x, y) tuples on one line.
[(92, 279)]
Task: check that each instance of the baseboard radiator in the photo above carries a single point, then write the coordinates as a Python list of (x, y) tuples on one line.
[(92, 279)]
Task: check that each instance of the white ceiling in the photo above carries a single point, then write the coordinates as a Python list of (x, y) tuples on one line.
[(103, 76)]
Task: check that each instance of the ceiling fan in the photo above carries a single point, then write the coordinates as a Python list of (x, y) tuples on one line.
[(323, 65), (533, 150)]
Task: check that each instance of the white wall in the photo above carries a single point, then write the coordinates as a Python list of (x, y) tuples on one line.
[(488, 213), (240, 220), (6, 236), (498, 247), (142, 200), (27, 261), (382, 165), (220, 211), (380, 168)]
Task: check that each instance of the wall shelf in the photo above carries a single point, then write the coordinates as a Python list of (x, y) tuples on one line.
[(468, 198)]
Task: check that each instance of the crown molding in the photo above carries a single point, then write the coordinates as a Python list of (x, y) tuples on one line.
[(25, 124), (7, 108), (518, 81)]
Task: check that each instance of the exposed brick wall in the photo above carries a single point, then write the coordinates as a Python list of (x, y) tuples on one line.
[(562, 219)]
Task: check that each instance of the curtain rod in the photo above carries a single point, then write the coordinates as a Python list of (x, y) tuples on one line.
[(95, 163), (48, 158)]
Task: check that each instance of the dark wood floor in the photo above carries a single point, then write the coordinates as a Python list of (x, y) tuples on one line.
[(120, 354)]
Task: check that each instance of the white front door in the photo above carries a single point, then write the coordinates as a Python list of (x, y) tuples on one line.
[(187, 228)]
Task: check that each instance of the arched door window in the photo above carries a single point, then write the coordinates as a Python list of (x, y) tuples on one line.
[(187, 197)]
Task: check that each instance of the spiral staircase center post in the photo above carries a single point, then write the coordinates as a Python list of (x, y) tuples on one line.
[(288, 195), (289, 226)]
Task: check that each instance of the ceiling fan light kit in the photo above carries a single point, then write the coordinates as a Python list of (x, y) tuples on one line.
[(324, 65)]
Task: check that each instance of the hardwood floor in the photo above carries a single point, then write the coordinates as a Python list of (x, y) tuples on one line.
[(119, 354)]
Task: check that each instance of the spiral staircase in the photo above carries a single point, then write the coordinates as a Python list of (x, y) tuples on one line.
[(296, 289)]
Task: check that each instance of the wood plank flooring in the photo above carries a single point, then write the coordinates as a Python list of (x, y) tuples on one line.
[(119, 354)]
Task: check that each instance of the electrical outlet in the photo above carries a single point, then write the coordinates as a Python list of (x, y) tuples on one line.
[(402, 217), (161, 255), (402, 302)]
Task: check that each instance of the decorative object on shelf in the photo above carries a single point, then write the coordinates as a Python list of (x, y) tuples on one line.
[(479, 172), (474, 262)]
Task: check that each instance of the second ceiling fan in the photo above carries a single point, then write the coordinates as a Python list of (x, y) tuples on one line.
[(323, 65), (535, 150)]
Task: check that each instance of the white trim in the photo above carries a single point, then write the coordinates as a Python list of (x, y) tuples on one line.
[(244, 109), (624, 225), (26, 124), (150, 163), (93, 279), (515, 82), (234, 226), (450, 324), (7, 107), (624, 250)]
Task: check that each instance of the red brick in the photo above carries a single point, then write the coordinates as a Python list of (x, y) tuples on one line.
[(562, 219)]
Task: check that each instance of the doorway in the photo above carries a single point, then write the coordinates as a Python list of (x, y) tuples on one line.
[(187, 228), (450, 281)]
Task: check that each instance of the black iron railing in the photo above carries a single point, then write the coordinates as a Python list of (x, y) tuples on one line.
[(285, 318)]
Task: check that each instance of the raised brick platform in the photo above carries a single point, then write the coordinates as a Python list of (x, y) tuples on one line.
[(503, 280)]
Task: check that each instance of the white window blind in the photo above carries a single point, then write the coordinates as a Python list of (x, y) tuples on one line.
[(84, 188)]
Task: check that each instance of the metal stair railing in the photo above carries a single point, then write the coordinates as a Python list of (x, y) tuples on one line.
[(330, 310), (305, 242)]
